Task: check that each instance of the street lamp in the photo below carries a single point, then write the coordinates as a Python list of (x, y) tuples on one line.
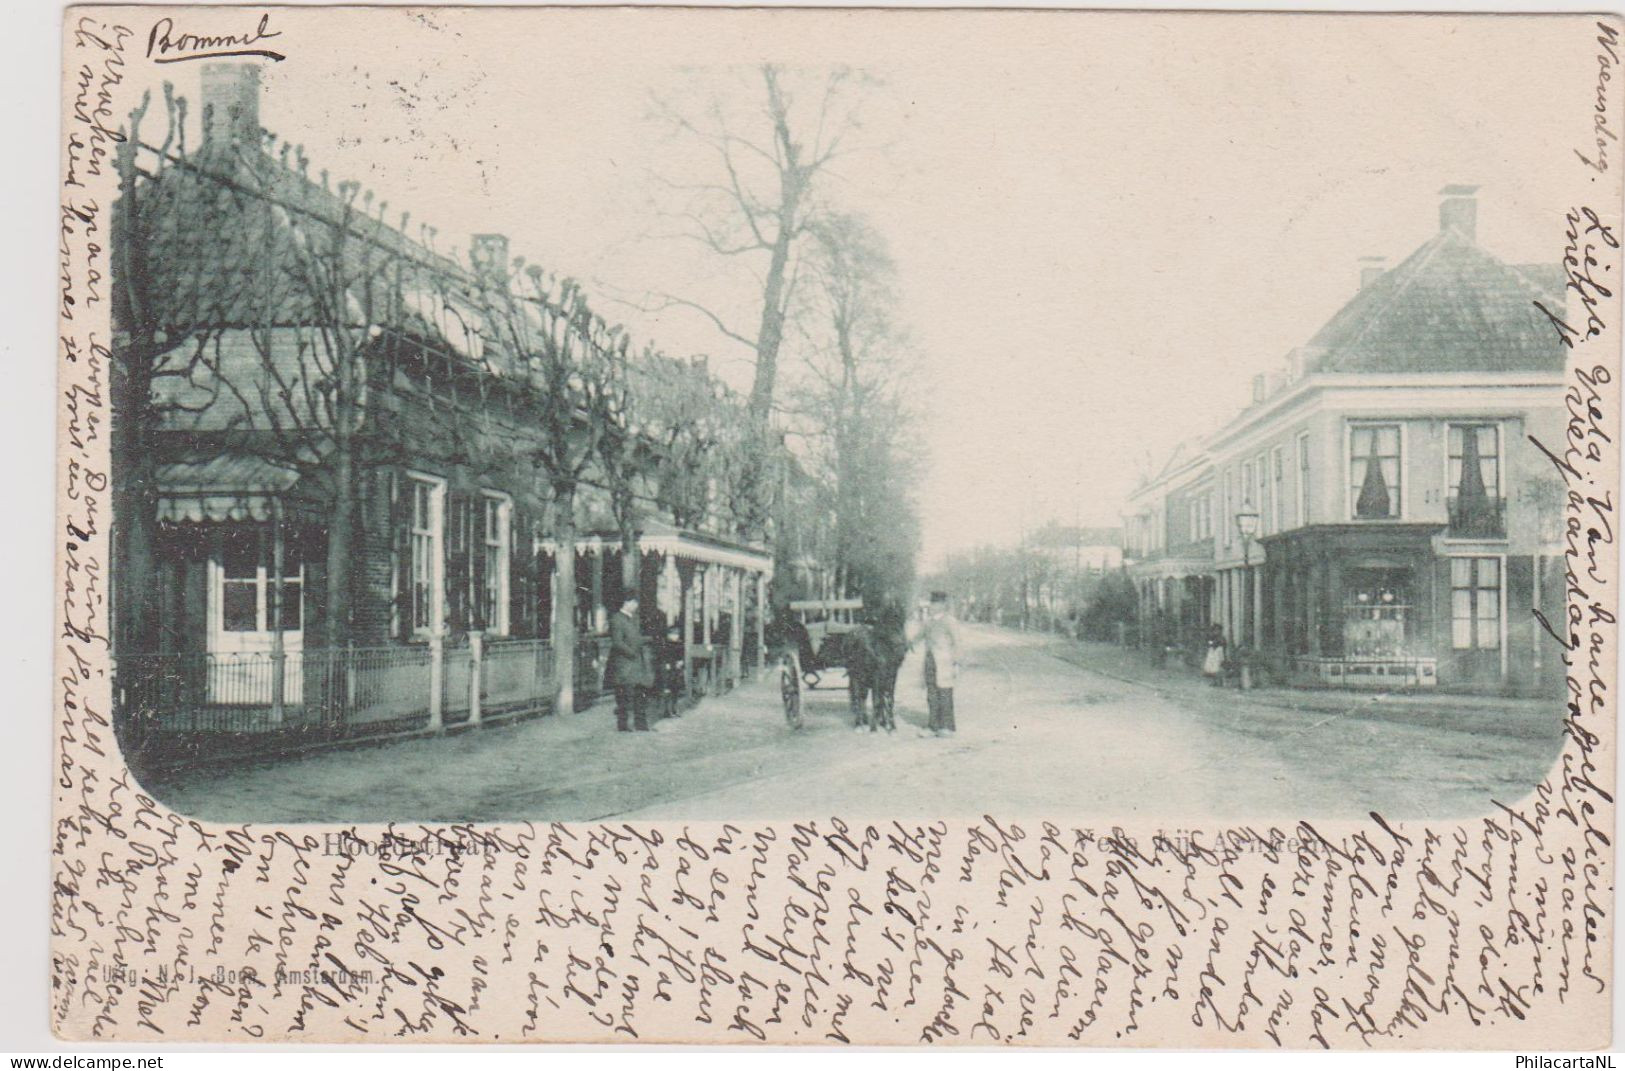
[(1247, 525)]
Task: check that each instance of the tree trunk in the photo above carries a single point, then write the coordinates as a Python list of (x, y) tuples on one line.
[(350, 377), (134, 476), (564, 596), (771, 331), (135, 524), (626, 519), (631, 563), (340, 543), (136, 625)]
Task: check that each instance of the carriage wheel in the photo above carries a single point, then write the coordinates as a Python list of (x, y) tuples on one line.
[(790, 693)]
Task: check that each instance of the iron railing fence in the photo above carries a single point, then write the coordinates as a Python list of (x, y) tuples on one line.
[(513, 673), (178, 708), (174, 708)]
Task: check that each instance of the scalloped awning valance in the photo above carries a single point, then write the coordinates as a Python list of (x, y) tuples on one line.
[(231, 487), (665, 539)]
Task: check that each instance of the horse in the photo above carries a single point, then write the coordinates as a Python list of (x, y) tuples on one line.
[(873, 654)]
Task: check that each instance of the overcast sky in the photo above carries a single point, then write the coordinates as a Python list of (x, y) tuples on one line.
[(1103, 224)]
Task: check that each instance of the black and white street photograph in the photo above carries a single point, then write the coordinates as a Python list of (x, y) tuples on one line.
[(883, 528), (581, 433)]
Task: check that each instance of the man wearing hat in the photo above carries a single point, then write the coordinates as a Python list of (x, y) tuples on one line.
[(941, 635), (630, 670)]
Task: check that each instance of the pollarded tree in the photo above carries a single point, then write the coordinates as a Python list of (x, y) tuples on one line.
[(249, 303), (167, 316), (625, 455), (689, 418), (572, 360)]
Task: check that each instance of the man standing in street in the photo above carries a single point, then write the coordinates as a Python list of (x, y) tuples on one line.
[(629, 670), (941, 635)]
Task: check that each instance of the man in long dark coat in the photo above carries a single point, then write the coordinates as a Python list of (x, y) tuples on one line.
[(630, 669)]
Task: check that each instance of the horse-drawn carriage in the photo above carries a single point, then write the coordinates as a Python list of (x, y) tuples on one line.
[(826, 635)]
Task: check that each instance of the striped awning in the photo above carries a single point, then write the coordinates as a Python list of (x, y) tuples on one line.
[(230, 487)]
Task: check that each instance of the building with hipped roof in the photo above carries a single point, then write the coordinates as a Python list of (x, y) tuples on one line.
[(1405, 521)]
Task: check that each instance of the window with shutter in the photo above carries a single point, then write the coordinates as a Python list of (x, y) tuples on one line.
[(426, 567), (520, 574), (457, 564), (494, 561)]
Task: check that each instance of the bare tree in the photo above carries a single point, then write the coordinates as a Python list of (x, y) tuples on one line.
[(764, 196), (163, 327), (689, 417), (331, 302), (571, 358), (262, 316), (624, 454), (854, 409), (321, 304)]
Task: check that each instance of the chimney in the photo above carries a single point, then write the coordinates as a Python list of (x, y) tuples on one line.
[(231, 103), (1370, 268), (1459, 211), (488, 255), (1294, 366)]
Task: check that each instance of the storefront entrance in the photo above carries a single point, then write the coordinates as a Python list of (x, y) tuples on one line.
[(1350, 605), (1378, 613), (1477, 618)]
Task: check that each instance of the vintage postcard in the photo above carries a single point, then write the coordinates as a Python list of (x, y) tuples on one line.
[(832, 527)]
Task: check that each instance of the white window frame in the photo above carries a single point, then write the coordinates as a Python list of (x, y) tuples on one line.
[(497, 623), (223, 640), (1404, 482), (435, 536), (1499, 490), (1501, 575)]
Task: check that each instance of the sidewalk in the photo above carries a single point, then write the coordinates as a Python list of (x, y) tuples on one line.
[(1524, 718)]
